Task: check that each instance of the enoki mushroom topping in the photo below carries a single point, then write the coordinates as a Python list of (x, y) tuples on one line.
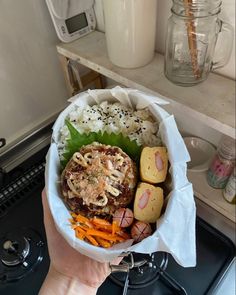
[(101, 175)]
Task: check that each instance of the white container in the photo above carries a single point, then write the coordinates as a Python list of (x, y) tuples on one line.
[(130, 28)]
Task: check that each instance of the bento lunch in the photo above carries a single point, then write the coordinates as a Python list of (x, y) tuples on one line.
[(116, 177), (111, 167)]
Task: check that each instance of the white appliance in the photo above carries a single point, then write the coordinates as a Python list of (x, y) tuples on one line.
[(72, 19)]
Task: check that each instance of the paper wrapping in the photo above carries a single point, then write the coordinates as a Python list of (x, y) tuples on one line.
[(175, 230)]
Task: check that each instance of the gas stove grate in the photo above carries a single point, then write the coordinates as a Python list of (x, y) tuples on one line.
[(15, 191)]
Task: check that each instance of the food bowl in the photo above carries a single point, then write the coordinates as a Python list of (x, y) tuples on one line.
[(201, 153), (166, 235)]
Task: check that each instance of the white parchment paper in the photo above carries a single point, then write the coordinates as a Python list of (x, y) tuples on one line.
[(175, 231)]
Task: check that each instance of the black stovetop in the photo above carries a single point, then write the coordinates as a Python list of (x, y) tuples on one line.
[(21, 210)]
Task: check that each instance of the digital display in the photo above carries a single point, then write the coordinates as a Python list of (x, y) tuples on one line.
[(76, 23)]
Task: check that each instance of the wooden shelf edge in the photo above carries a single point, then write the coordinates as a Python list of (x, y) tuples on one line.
[(226, 129), (212, 197), (222, 211)]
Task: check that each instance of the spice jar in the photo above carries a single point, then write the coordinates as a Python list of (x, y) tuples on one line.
[(222, 164), (229, 192), (192, 35)]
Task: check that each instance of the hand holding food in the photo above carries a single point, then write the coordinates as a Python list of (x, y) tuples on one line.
[(128, 120), (98, 182), (69, 262)]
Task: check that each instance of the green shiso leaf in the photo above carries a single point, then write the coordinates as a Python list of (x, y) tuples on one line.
[(77, 140)]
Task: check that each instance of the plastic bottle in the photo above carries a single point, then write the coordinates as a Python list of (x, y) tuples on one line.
[(229, 192), (223, 163)]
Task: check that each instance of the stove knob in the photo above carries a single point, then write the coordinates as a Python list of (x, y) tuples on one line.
[(9, 246)]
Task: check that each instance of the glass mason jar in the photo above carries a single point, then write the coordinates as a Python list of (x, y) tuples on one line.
[(193, 30), (222, 164)]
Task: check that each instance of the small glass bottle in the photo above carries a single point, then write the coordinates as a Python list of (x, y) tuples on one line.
[(229, 192), (222, 164)]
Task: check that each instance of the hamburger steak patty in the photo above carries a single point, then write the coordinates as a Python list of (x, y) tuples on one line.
[(98, 179)]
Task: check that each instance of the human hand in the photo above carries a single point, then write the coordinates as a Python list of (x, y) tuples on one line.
[(69, 262)]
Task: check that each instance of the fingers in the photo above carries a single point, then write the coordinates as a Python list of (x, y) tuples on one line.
[(46, 209), (47, 217), (44, 200)]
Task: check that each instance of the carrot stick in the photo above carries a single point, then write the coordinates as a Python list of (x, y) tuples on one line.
[(71, 220), (102, 224), (82, 227), (84, 220), (92, 240), (103, 243), (115, 228), (73, 215), (87, 236), (97, 231), (104, 235), (73, 226), (102, 229), (100, 221), (81, 218), (79, 235), (78, 228)]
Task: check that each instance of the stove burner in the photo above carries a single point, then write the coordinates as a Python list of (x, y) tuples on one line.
[(15, 251), (21, 250), (144, 270)]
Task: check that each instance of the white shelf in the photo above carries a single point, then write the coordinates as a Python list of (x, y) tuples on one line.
[(211, 102), (212, 197)]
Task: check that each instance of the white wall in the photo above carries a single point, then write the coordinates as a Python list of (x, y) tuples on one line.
[(163, 13), (32, 87)]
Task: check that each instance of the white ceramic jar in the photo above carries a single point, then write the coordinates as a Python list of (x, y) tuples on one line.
[(130, 28)]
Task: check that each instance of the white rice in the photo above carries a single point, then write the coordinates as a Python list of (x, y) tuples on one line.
[(137, 125)]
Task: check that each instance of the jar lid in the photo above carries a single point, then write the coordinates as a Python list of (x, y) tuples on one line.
[(227, 148)]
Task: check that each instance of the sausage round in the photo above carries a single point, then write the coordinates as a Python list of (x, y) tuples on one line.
[(140, 230), (124, 217)]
